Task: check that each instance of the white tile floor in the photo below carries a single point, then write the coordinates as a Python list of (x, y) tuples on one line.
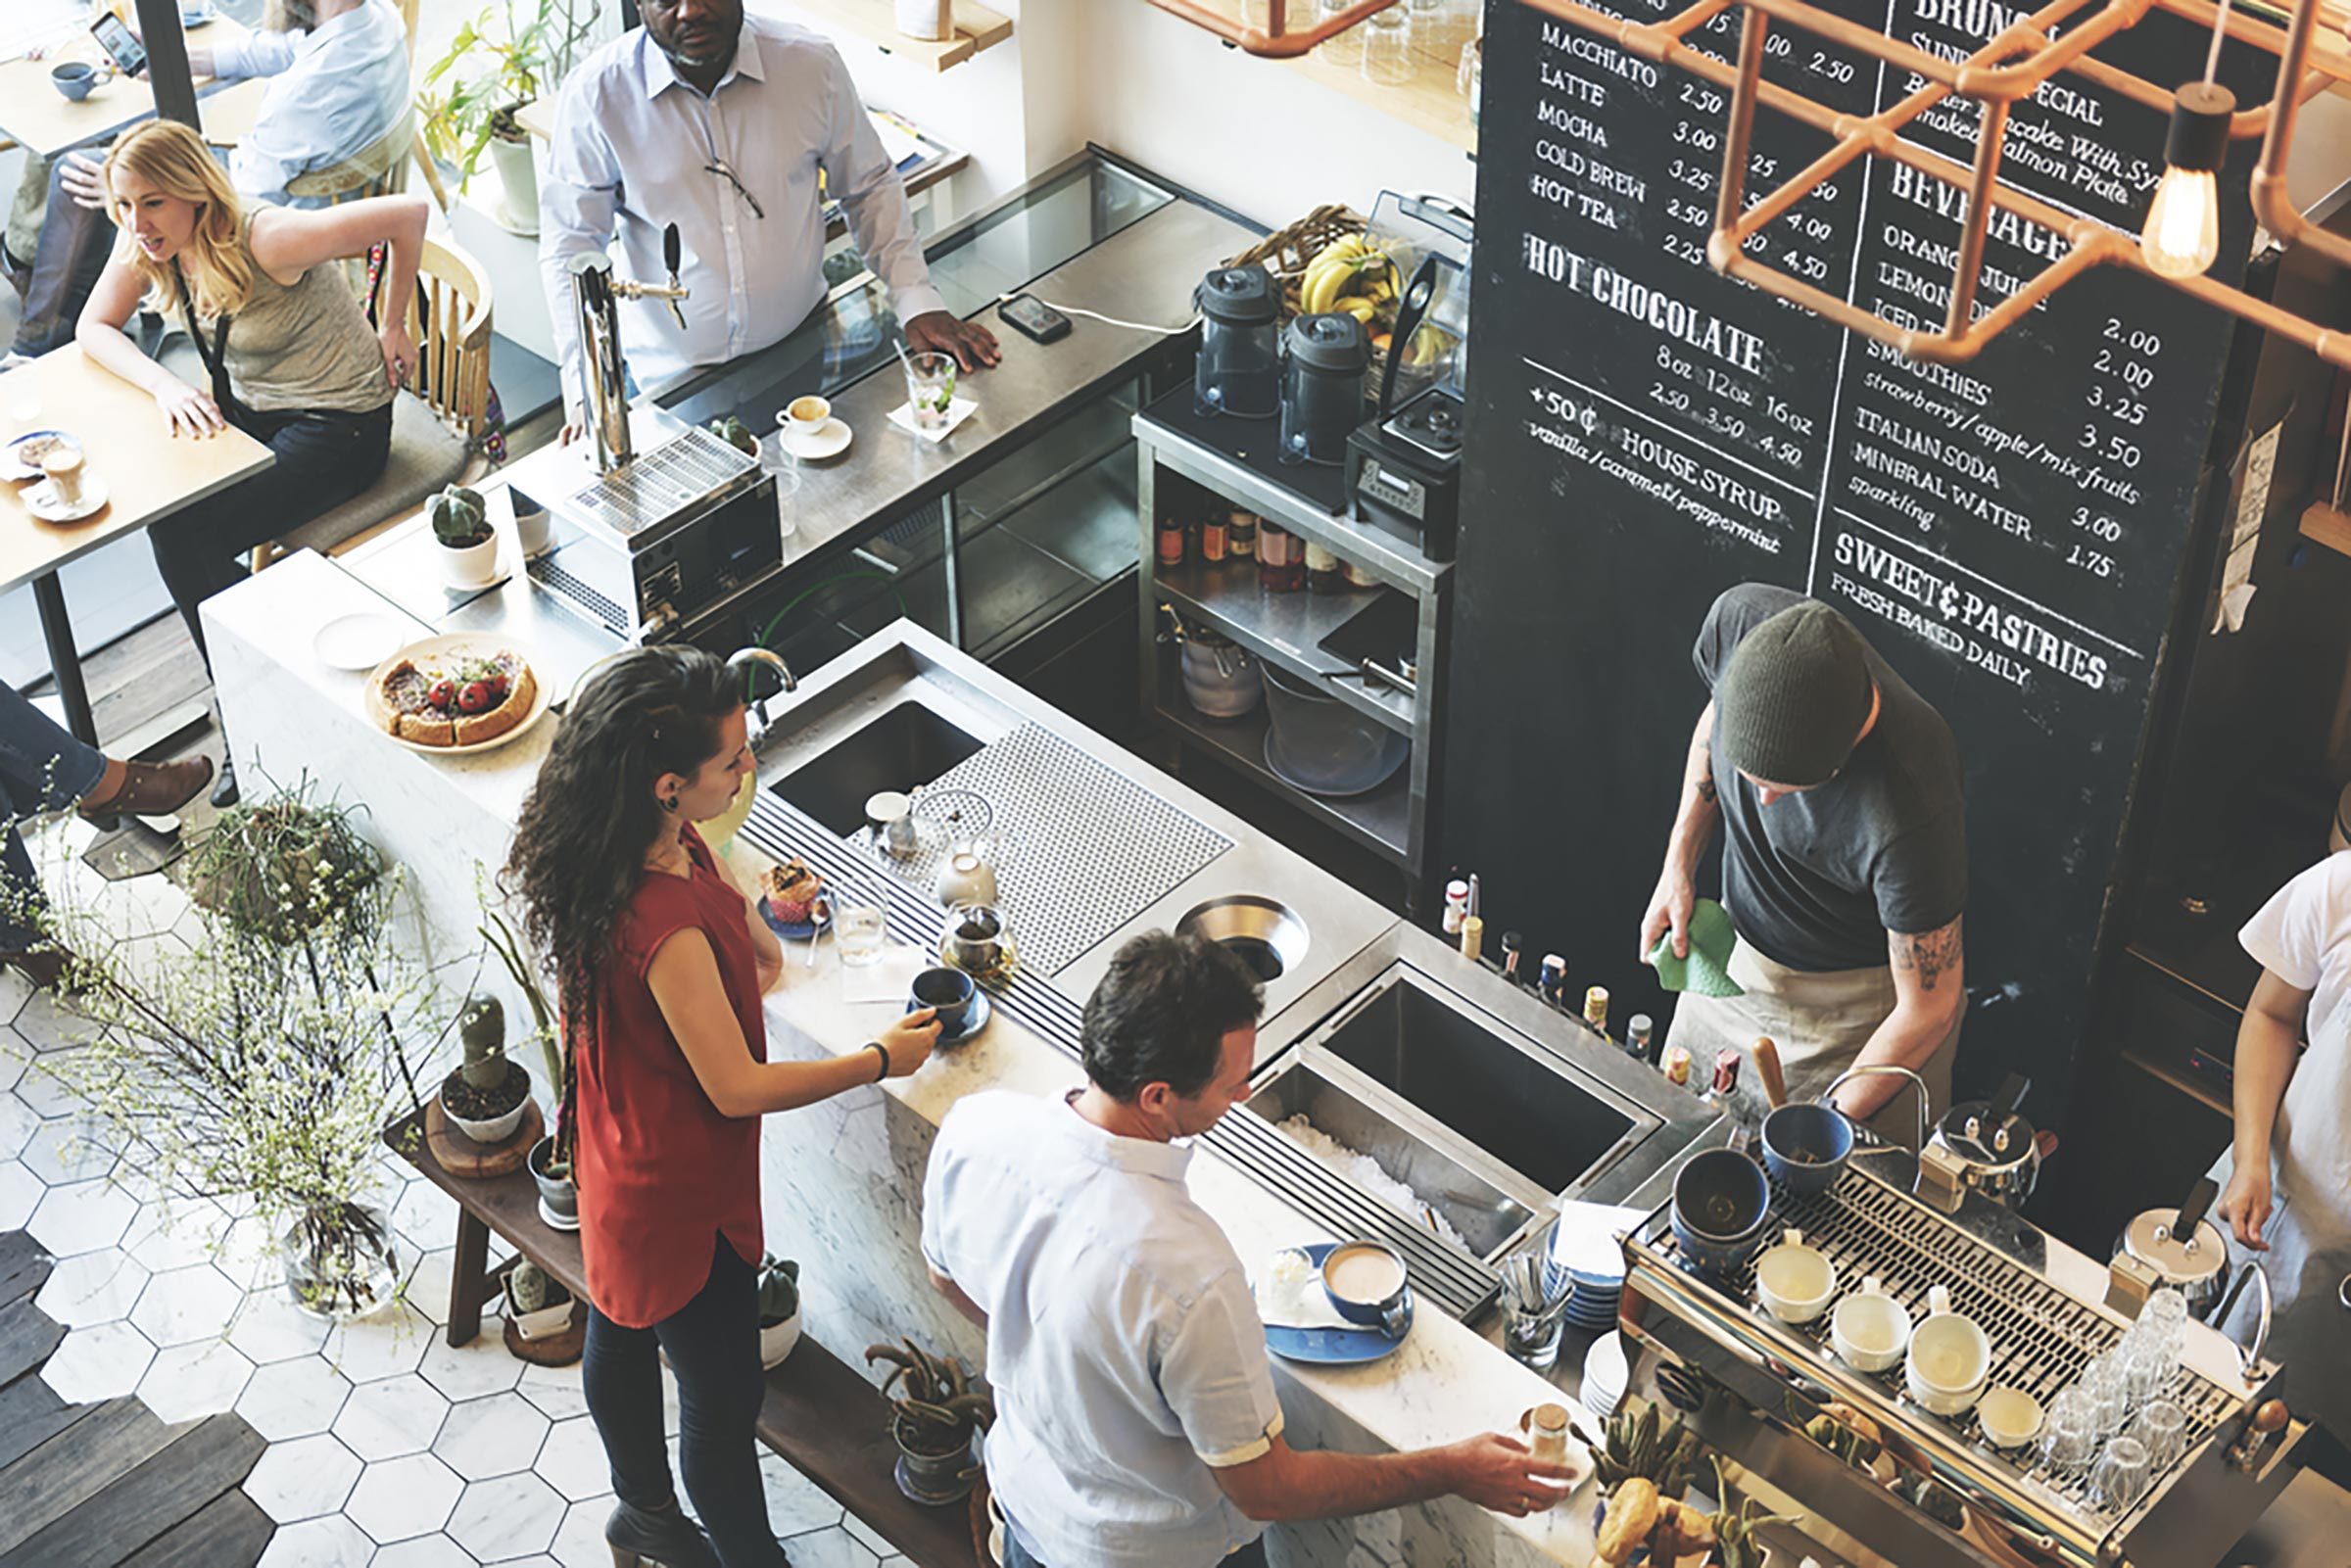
[(388, 1448)]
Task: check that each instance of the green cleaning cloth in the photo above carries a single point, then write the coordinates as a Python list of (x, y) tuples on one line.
[(1708, 969)]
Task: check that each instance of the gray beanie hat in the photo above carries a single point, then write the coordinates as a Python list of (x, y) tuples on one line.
[(1795, 695)]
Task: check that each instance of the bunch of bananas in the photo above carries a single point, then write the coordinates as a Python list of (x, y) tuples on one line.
[(1348, 276)]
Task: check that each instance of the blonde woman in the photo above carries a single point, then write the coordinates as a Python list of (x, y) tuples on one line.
[(291, 359)]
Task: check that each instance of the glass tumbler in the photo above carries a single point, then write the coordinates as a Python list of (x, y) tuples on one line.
[(1343, 49), (2148, 1362), (1388, 46), (2067, 1440), (2106, 1390), (2163, 1427), (860, 921), (2121, 1474), (788, 496), (930, 389)]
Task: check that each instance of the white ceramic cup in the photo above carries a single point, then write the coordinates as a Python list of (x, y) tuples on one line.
[(2010, 1418), (804, 417), (1795, 1282), (534, 528), (1949, 1359), (1870, 1329)]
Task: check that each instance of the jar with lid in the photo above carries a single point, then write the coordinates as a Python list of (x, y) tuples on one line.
[(1240, 536), (1356, 574), (1457, 906), (1321, 569), (1170, 541), (1281, 562), (1213, 538)]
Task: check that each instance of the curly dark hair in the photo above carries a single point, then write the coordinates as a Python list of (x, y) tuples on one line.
[(590, 816), (1161, 1012)]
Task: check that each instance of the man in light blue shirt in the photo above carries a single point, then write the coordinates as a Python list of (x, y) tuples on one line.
[(721, 124), (1137, 1421), (338, 75)]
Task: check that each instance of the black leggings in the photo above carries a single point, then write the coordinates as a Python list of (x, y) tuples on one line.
[(324, 459), (713, 1347)]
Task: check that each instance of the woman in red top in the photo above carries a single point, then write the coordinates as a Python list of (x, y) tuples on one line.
[(661, 962)]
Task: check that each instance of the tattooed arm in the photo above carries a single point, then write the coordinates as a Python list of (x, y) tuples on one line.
[(1930, 991), (1693, 826)]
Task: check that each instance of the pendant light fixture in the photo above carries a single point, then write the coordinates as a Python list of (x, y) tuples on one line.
[(2182, 236)]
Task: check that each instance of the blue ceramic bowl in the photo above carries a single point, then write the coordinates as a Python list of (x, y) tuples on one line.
[(1720, 1202), (1806, 1146)]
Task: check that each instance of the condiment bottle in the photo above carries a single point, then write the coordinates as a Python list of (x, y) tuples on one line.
[(1511, 942), (1547, 1433), (1213, 536), (1240, 536), (1555, 976), (1281, 564), (1357, 576), (1457, 906), (1170, 541), (1473, 936), (1321, 569), (1596, 1008), (1636, 1032), (1677, 1065)]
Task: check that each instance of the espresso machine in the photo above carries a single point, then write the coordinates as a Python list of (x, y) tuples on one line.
[(655, 543)]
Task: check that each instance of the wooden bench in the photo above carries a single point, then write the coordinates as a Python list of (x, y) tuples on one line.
[(822, 1416)]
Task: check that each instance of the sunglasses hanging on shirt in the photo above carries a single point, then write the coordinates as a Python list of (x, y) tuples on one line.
[(720, 166)]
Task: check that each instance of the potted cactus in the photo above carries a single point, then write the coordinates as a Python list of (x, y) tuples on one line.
[(779, 1310), (537, 1303), (461, 521), (735, 433), (484, 1095), (937, 1412)]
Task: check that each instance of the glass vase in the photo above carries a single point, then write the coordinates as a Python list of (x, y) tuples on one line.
[(340, 1261)]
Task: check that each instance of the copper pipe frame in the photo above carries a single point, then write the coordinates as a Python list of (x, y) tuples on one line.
[(2090, 244), (1277, 41)]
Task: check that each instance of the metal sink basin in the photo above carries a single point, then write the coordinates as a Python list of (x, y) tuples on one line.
[(909, 745), (1526, 1107)]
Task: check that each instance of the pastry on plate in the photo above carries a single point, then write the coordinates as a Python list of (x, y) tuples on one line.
[(795, 892), (456, 700)]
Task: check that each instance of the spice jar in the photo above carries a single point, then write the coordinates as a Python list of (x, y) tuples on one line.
[(1321, 569), (1212, 536), (1240, 536), (1170, 541), (1281, 564), (1357, 576), (1596, 1008)]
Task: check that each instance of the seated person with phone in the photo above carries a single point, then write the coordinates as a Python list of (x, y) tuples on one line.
[(339, 82)]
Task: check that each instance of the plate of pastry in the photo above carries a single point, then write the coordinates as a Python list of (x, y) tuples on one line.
[(454, 695), (793, 901)]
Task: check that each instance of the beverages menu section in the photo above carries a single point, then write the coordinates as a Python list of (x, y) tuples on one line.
[(2009, 533)]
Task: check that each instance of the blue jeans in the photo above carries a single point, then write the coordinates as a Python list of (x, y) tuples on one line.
[(42, 768), (713, 1348), (1015, 1555)]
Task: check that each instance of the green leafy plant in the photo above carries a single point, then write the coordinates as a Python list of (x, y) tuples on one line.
[(286, 868), (935, 1405), (504, 58), (544, 1028)]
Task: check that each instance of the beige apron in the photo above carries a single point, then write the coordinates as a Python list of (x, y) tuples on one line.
[(1820, 1021)]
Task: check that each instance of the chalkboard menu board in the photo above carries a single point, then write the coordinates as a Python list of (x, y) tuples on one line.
[(2012, 534)]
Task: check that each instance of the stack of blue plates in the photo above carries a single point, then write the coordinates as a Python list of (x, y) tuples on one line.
[(1584, 1252)]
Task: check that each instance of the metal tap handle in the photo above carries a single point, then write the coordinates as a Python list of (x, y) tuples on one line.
[(742, 658), (1881, 1070), (2249, 1356), (673, 251)]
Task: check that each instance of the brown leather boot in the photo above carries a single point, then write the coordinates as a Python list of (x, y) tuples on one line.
[(150, 789)]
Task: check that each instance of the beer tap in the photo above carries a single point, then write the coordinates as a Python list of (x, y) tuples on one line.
[(595, 297)]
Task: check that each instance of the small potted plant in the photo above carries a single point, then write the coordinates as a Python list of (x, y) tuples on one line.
[(549, 1159), (937, 1413), (484, 1095), (735, 434), (779, 1310), (537, 1303), (468, 544)]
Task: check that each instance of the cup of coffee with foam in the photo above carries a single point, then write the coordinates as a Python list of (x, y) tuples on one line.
[(62, 465), (804, 417), (1367, 1282)]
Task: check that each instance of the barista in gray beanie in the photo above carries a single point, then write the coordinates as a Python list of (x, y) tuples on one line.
[(1844, 861)]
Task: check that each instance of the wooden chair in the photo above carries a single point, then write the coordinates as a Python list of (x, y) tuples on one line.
[(437, 419), (380, 169)]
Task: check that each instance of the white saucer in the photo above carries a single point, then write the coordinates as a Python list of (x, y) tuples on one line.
[(356, 641), (830, 440), (41, 501)]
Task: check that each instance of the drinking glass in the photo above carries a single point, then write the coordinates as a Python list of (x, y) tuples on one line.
[(788, 497), (930, 389), (1388, 46), (2067, 1440), (1432, 27), (1471, 78), (860, 921), (2106, 1390), (2167, 1305), (2163, 1427), (2148, 1362), (1342, 49), (2121, 1474)]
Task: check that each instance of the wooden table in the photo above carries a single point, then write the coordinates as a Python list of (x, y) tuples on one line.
[(149, 475), (822, 1416), (34, 112)]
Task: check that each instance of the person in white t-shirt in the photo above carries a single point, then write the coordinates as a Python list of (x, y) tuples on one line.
[(2285, 1183)]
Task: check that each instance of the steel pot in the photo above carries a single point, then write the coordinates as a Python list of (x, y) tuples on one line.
[(2182, 1247), (1219, 678), (1984, 1145)]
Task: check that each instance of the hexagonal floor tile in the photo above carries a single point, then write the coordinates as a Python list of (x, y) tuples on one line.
[(470, 1371), (511, 1516), (492, 1437), (427, 1551), (184, 1304), (15, 991), (16, 1054), (398, 1498), (427, 1286), (383, 1343), (100, 1287), (72, 1148), (392, 1416), (333, 1542), (572, 1460), (556, 1390), (20, 1193), (292, 1399), (47, 1025), (580, 1539), (176, 1232), (99, 1362), (82, 1217), (426, 1215), (18, 1121), (187, 1381), (269, 1327), (866, 1535), (302, 1478), (45, 1090), (828, 1549), (795, 1504)]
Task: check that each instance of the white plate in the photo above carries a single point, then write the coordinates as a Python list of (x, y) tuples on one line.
[(830, 440), (462, 644), (41, 501), (356, 641), (20, 470)]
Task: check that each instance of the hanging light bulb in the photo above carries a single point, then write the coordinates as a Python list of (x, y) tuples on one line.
[(2182, 231)]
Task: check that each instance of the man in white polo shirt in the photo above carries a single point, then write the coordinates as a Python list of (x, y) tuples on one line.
[(1136, 1422)]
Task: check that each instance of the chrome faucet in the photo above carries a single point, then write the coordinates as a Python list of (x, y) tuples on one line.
[(595, 295), (1876, 1069), (742, 660)]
